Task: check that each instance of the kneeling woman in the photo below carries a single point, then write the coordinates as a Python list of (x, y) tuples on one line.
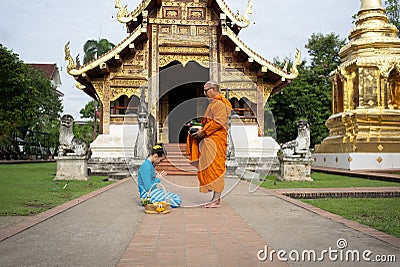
[(147, 177)]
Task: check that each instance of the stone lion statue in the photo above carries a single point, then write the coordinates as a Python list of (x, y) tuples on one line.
[(69, 144), (300, 146)]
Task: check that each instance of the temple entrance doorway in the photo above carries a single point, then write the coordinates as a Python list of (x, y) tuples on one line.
[(181, 99)]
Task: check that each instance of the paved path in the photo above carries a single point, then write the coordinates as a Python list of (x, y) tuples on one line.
[(111, 229), (94, 233)]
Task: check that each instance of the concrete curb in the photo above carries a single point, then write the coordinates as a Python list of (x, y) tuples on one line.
[(353, 192), (33, 220)]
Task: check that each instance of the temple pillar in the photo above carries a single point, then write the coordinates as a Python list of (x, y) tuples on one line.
[(106, 115), (103, 91), (214, 62), (154, 80), (260, 109)]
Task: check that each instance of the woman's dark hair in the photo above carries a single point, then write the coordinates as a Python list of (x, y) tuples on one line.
[(159, 150)]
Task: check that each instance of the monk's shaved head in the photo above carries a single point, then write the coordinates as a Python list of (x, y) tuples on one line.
[(213, 85)]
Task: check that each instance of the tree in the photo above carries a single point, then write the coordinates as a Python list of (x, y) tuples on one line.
[(324, 53), (93, 49), (86, 132), (11, 84), (308, 96), (89, 109), (393, 12), (29, 101)]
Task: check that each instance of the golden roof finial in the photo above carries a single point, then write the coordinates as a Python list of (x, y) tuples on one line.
[(249, 10), (68, 57), (294, 72), (122, 15)]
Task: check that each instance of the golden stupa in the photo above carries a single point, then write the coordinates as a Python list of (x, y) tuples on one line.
[(364, 130)]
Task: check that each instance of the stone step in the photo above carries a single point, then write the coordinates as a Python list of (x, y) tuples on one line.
[(181, 169), (177, 162), (118, 175), (177, 172)]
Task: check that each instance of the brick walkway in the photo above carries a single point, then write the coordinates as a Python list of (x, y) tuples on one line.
[(195, 237)]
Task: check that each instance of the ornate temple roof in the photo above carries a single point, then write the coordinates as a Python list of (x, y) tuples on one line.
[(267, 70), (265, 64), (132, 19), (110, 55)]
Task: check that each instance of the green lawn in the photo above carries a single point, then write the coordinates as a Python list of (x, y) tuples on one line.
[(325, 180), (27, 189), (380, 213)]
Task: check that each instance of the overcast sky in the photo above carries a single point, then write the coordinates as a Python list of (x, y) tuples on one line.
[(38, 30)]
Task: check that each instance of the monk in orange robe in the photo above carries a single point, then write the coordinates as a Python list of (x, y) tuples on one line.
[(208, 145)]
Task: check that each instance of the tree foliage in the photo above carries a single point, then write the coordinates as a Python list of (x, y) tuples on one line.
[(95, 48), (28, 99), (88, 111), (85, 132), (309, 96), (393, 12)]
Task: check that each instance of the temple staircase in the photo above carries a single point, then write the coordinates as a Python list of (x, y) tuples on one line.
[(177, 161)]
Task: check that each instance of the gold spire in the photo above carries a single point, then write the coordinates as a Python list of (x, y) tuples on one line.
[(372, 29), (370, 4)]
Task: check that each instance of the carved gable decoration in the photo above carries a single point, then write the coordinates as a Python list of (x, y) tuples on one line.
[(172, 13), (202, 30), (185, 30), (165, 29), (198, 13)]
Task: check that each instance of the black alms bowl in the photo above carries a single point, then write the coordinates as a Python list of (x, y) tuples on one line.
[(193, 130)]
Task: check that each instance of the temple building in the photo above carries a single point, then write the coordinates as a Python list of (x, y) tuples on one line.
[(173, 47), (364, 130)]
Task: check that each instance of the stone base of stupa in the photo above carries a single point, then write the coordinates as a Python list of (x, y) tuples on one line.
[(357, 161), (361, 139)]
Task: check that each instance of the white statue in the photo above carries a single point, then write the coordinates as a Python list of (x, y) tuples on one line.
[(300, 146), (69, 144)]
